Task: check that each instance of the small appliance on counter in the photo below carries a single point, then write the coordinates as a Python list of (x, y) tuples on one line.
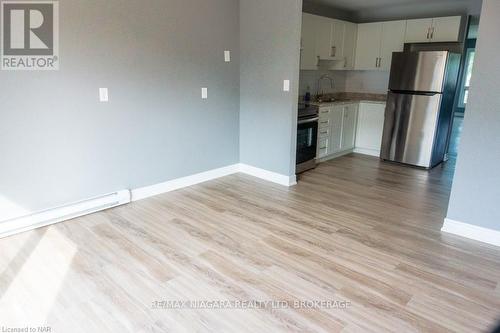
[(419, 112), (307, 137)]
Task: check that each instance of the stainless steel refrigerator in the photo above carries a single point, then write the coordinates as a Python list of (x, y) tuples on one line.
[(419, 112)]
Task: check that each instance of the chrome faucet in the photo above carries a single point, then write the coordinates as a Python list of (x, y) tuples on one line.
[(323, 77)]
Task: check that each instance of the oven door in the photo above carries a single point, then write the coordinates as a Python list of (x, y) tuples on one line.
[(307, 140)]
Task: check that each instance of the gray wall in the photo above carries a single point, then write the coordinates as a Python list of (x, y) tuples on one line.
[(270, 53), (475, 195), (58, 144)]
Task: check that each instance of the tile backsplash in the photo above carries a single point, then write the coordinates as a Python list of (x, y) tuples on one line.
[(310, 79), (374, 82)]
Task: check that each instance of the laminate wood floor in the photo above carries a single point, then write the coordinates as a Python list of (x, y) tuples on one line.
[(357, 241)]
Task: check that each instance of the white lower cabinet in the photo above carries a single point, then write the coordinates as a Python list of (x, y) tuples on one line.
[(324, 141), (370, 128), (337, 129), (324, 132), (348, 127), (337, 123)]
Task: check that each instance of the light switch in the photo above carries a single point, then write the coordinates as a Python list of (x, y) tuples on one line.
[(204, 93), (103, 95), (227, 56), (286, 85)]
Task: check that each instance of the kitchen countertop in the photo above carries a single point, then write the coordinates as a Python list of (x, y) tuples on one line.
[(347, 101), (351, 97)]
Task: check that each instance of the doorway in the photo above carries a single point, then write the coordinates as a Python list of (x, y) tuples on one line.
[(463, 87)]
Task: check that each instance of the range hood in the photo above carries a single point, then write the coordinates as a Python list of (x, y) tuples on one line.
[(335, 63)]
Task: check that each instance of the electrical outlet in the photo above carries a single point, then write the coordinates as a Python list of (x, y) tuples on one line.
[(286, 85), (103, 95), (204, 93), (227, 56)]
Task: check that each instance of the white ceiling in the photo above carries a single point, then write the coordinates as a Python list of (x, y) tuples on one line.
[(360, 5)]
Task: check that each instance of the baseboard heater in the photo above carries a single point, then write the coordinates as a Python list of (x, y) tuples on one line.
[(63, 213)]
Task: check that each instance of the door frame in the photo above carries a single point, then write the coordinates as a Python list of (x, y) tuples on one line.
[(469, 44)]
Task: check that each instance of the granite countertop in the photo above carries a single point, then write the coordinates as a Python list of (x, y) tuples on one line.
[(349, 97), (347, 101)]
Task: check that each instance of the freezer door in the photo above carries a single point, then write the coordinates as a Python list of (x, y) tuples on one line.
[(410, 128), (418, 71)]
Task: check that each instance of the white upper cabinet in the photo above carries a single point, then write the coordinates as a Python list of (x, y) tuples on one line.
[(376, 43), (350, 36), (329, 38), (344, 35), (368, 46), (338, 32), (418, 31), (446, 29), (439, 29), (324, 40), (308, 57), (393, 40)]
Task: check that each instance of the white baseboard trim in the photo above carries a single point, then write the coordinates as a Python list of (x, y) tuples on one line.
[(268, 175), (365, 151), (63, 213), (67, 212), (176, 184), (470, 231)]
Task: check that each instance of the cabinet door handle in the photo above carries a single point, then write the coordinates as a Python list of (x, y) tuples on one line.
[(334, 51), (432, 33), (376, 62), (428, 33)]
